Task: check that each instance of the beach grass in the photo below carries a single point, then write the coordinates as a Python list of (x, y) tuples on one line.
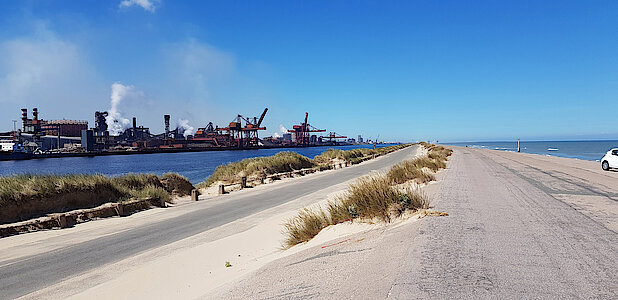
[(26, 196), (176, 184), (258, 166), (372, 197), (409, 170), (368, 198), (281, 162), (355, 155)]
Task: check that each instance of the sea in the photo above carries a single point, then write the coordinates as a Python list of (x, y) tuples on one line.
[(196, 166), (586, 150)]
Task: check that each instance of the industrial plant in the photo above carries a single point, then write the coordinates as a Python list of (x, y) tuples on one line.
[(39, 138)]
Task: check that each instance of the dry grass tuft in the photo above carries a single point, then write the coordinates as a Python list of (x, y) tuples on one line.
[(368, 198), (305, 226), (409, 170), (416, 169), (372, 197), (151, 192), (176, 184)]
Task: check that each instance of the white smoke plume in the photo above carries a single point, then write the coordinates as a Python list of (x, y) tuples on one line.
[(283, 129), (276, 135), (115, 122), (186, 129)]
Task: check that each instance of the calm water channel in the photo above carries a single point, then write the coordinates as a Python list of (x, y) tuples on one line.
[(196, 166)]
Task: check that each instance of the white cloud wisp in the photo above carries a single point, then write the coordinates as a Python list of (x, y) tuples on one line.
[(145, 4)]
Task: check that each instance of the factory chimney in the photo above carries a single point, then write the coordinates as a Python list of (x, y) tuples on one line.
[(167, 126), (35, 115), (24, 118), (134, 131)]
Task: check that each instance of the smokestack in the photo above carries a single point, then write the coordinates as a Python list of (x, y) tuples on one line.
[(167, 125), (24, 118), (134, 123), (35, 115)]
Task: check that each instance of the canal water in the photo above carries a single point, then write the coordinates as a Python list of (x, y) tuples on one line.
[(196, 166)]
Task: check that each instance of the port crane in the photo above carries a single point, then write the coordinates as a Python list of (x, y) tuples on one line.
[(248, 134), (333, 136), (235, 135), (303, 132)]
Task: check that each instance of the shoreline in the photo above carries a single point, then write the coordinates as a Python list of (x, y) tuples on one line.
[(589, 150), (535, 154), (29, 156)]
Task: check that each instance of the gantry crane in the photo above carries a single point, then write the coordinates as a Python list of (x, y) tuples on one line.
[(303, 132), (246, 135), (333, 136), (235, 135)]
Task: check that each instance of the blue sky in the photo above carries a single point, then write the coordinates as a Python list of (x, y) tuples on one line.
[(406, 70)]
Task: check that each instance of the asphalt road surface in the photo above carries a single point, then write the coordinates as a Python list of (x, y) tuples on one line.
[(24, 275), (519, 227)]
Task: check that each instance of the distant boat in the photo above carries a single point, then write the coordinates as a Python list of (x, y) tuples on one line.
[(552, 149)]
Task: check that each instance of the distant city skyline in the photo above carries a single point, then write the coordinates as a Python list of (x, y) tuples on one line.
[(404, 70)]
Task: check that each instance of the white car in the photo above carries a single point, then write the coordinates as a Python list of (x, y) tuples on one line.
[(610, 160)]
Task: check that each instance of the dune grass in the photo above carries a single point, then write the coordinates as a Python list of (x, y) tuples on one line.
[(355, 155), (368, 198), (289, 161), (176, 184), (408, 170), (372, 197), (16, 188), (25, 196), (20, 188), (420, 169), (258, 166)]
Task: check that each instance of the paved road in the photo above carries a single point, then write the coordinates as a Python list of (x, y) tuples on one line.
[(507, 237), (25, 275)]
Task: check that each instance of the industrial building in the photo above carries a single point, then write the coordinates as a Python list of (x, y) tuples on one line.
[(36, 126), (38, 136), (72, 128)]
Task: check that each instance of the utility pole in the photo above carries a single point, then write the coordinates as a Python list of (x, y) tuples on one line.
[(14, 130), (518, 149), (58, 126)]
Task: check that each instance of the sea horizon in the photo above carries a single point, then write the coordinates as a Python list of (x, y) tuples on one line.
[(591, 150)]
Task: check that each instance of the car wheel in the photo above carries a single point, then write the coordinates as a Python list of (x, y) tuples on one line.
[(605, 166)]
